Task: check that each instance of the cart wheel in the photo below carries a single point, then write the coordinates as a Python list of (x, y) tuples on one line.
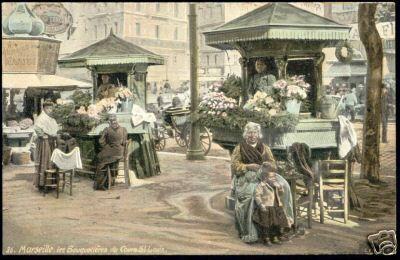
[(160, 141), (179, 138), (205, 139)]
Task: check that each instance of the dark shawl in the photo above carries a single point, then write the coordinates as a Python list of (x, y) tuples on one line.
[(301, 155), (252, 154)]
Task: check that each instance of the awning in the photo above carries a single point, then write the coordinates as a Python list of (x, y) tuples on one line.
[(277, 21), (339, 69), (110, 51), (38, 81)]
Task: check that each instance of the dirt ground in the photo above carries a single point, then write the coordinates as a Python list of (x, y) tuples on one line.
[(181, 211)]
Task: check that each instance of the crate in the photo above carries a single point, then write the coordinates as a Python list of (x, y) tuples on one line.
[(21, 158)]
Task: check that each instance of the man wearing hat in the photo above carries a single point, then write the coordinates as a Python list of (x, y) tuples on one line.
[(112, 142), (106, 89), (46, 129), (262, 80)]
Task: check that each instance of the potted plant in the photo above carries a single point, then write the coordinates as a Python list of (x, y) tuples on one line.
[(124, 98), (292, 92)]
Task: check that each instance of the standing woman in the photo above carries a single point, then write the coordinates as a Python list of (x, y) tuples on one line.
[(247, 158), (46, 129)]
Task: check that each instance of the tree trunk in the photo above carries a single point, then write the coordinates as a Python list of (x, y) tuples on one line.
[(373, 45)]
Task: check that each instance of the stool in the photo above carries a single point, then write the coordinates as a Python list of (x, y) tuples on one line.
[(55, 176), (108, 169)]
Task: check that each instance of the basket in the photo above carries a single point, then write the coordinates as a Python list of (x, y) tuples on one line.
[(21, 158)]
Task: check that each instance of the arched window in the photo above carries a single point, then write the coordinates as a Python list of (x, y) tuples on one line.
[(157, 32), (116, 27), (137, 29), (176, 9)]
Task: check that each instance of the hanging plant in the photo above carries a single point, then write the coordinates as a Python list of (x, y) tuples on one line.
[(339, 53)]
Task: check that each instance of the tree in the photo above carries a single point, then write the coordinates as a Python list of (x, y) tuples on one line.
[(373, 46)]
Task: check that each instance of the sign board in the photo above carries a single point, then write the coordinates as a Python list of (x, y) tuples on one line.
[(29, 55), (387, 30), (313, 7), (56, 18)]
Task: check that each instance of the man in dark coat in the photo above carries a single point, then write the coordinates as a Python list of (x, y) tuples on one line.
[(112, 141)]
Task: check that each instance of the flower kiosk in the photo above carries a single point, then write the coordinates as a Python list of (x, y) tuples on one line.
[(119, 71), (290, 42)]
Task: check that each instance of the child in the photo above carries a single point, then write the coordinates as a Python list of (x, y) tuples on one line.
[(269, 214)]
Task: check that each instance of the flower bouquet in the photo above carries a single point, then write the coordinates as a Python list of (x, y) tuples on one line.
[(124, 98), (262, 102), (292, 92), (216, 110)]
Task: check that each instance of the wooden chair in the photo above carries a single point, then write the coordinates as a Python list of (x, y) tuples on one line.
[(54, 177), (333, 176), (299, 188), (304, 188), (306, 191)]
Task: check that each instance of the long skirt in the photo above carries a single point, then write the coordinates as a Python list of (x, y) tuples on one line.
[(44, 149), (243, 189)]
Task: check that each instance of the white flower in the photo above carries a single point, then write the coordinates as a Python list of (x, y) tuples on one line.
[(81, 110), (224, 114), (269, 100), (272, 112)]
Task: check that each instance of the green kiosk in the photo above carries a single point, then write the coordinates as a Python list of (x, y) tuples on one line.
[(126, 64)]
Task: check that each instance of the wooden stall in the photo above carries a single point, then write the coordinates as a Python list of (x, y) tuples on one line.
[(291, 40), (126, 64)]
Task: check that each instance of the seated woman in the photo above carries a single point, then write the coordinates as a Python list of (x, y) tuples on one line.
[(112, 142), (247, 159)]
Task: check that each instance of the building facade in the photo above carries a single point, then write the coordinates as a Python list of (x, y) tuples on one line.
[(159, 27), (215, 64)]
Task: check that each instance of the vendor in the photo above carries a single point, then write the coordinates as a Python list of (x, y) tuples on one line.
[(46, 129), (262, 80), (112, 142), (106, 89)]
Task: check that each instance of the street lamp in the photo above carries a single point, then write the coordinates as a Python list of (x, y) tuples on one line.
[(194, 151)]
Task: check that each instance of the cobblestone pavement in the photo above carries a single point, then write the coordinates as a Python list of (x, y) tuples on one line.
[(181, 211)]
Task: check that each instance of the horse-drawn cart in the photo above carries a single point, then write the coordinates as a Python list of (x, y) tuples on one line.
[(176, 124)]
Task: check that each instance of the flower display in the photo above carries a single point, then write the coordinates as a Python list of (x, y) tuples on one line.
[(106, 104), (124, 93), (293, 88), (217, 102), (218, 110), (262, 102)]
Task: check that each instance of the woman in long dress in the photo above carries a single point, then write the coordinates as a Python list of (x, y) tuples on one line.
[(46, 129), (247, 158)]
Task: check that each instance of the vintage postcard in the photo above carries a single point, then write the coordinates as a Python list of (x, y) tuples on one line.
[(215, 128)]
